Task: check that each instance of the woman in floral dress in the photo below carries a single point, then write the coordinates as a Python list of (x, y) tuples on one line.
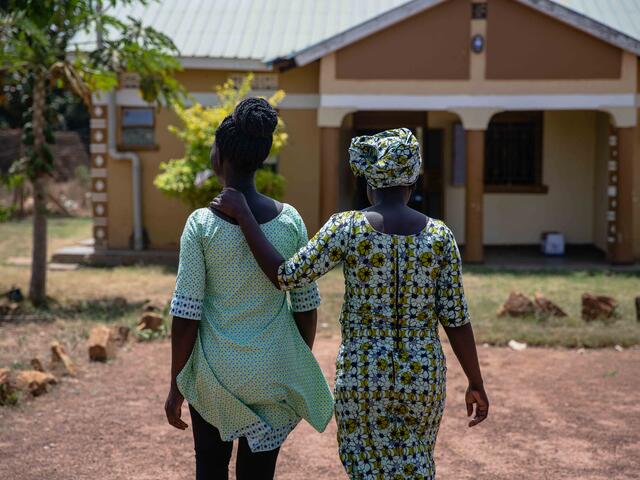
[(402, 275)]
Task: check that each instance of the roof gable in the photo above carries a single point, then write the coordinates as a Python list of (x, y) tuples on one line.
[(562, 13)]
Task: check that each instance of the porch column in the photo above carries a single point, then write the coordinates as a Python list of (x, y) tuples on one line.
[(329, 171), (621, 197), (473, 248)]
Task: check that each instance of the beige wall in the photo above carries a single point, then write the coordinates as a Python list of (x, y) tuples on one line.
[(297, 80), (569, 153), (164, 217), (120, 204), (441, 35), (568, 171), (525, 44), (300, 164)]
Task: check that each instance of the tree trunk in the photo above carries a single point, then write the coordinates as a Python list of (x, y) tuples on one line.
[(38, 284)]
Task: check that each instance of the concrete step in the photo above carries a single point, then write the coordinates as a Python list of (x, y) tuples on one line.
[(88, 255)]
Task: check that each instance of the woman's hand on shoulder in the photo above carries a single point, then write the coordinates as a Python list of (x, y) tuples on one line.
[(477, 395), (232, 203)]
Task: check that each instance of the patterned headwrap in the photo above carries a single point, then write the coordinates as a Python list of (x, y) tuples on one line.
[(386, 159)]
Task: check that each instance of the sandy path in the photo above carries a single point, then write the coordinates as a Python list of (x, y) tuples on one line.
[(556, 414)]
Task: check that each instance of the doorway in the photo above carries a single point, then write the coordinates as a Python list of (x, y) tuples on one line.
[(428, 195)]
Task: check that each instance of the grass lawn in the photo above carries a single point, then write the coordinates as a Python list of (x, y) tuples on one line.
[(487, 290), (86, 294), (15, 237)]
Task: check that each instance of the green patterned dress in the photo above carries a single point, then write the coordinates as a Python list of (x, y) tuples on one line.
[(250, 373), (391, 372)]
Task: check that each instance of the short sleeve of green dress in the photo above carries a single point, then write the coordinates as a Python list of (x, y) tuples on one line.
[(250, 373)]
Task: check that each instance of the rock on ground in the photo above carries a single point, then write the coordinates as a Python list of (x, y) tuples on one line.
[(597, 307), (517, 305), (61, 362), (102, 345), (547, 307), (32, 381), (150, 321)]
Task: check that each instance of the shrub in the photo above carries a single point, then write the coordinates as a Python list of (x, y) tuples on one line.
[(190, 178)]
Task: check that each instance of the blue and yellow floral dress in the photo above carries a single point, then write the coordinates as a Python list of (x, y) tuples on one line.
[(250, 373), (390, 378)]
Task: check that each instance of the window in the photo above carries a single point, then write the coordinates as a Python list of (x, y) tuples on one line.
[(513, 153), (137, 127), (479, 10)]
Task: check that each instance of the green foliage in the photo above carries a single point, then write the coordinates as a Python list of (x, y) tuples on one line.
[(8, 396), (7, 213), (189, 178), (270, 183), (35, 59), (35, 42)]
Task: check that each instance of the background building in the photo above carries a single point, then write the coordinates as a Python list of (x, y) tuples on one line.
[(526, 110)]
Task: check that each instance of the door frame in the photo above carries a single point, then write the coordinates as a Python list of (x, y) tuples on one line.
[(387, 119)]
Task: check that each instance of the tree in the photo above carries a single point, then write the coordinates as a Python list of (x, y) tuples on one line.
[(35, 50), (190, 178)]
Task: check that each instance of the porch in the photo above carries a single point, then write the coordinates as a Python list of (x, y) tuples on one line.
[(530, 259), (496, 257), (500, 180)]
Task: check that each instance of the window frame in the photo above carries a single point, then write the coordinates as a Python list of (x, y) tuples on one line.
[(537, 187), (122, 127)]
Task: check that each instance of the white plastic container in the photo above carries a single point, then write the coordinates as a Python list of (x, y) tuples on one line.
[(552, 243)]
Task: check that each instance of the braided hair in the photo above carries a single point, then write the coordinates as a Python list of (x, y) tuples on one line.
[(245, 137)]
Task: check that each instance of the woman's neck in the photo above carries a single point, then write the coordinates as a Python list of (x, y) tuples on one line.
[(243, 184), (390, 198)]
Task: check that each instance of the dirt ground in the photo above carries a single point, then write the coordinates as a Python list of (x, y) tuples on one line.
[(556, 414)]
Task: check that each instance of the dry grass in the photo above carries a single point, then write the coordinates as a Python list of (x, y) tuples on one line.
[(85, 294), (136, 283), (77, 298), (487, 290)]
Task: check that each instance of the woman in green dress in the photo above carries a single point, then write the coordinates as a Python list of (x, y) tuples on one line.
[(237, 356), (402, 275)]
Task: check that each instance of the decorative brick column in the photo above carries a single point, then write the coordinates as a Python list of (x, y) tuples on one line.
[(620, 194), (98, 150)]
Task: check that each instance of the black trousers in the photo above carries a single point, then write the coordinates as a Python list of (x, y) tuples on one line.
[(213, 455)]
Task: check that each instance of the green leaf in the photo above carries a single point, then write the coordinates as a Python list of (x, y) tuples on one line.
[(177, 177), (35, 38)]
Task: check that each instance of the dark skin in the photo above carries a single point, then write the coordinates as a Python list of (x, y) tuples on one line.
[(389, 214), (185, 331)]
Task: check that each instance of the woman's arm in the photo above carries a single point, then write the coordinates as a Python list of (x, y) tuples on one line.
[(464, 346), (307, 323), (183, 338), (315, 258), (232, 203), (453, 312)]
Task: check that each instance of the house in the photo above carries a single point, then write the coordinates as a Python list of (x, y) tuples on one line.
[(527, 112)]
